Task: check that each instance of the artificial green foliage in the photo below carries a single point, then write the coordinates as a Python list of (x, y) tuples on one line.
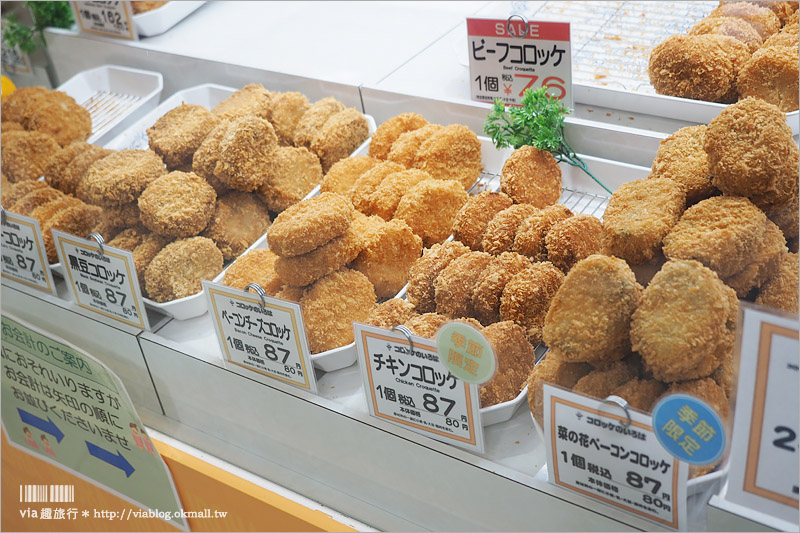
[(45, 15), (538, 122)]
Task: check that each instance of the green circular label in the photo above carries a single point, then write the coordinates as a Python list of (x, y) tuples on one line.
[(465, 353)]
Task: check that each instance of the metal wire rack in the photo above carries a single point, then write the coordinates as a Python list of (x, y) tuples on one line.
[(105, 107)]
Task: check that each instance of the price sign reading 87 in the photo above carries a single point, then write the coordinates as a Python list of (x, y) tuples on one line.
[(506, 57), (24, 260)]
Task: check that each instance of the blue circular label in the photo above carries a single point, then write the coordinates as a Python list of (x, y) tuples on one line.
[(689, 429)]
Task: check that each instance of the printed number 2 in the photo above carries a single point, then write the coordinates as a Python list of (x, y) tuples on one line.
[(785, 441)]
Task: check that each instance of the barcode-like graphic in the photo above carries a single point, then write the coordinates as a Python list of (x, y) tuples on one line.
[(46, 493)]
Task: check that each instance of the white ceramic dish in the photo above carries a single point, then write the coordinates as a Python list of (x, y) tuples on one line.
[(159, 20)]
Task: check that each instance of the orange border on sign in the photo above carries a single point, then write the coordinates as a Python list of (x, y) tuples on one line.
[(555, 400), (472, 440), (42, 261), (128, 17), (757, 417)]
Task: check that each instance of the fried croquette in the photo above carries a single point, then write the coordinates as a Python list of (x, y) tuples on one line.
[(256, 266), (76, 219), (314, 118), (388, 132), (310, 224), (763, 262), (405, 147), (706, 390), (681, 327), (368, 182), (120, 177), (121, 217), (640, 393), (730, 27), (590, 315), (43, 212), (10, 126), (783, 10), (527, 296), (341, 134), (391, 313), (515, 360), (13, 192), (471, 220), (430, 207), (452, 153), (56, 167), (34, 199), (15, 105), (573, 239), (531, 233), (177, 205), (144, 246), (331, 306), (343, 175), (425, 270), (291, 174), (639, 214), (724, 374), (601, 381), (252, 99), (455, 284), (79, 166), (292, 294), (57, 114), (387, 195), (301, 270), (763, 20), (239, 219), (489, 287), (502, 229), (701, 67), (426, 325), (143, 6), (244, 151), (178, 134), (285, 111), (129, 238), (771, 74), (178, 269), (782, 288), (24, 155), (204, 160), (788, 36), (682, 158), (4, 183), (531, 176), (556, 371), (387, 255)]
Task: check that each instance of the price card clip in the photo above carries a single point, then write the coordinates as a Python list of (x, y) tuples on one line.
[(407, 334), (616, 400), (96, 237), (258, 290), (510, 27)]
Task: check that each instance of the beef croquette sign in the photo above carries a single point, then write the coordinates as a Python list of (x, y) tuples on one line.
[(506, 57)]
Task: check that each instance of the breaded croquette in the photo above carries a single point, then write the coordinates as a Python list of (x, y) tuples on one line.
[(573, 239), (177, 205), (471, 220), (601, 381), (489, 287), (35, 198), (706, 390), (430, 207), (121, 217), (15, 105), (179, 133), (12, 193), (386, 197), (423, 273), (292, 294), (515, 360), (256, 266), (58, 115), (120, 177), (204, 160), (76, 218), (531, 233), (527, 296), (682, 158), (531, 176), (284, 113), (426, 325), (291, 174), (763, 262), (309, 224), (781, 289), (178, 269), (640, 393), (502, 229), (143, 244), (7, 126), (763, 20), (405, 147), (54, 172), (388, 132), (24, 155), (239, 218), (79, 167), (244, 151), (331, 306), (731, 27), (341, 134), (301, 270), (364, 187), (590, 315), (455, 284), (452, 153), (771, 74), (391, 313), (556, 371), (252, 99), (342, 176), (314, 118), (387, 255)]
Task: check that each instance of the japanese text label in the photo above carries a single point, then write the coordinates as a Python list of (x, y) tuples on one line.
[(414, 390), (689, 429), (590, 451), (465, 353), (103, 282), (269, 341), (24, 260), (508, 57), (112, 19)]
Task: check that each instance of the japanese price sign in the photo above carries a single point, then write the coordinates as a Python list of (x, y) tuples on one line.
[(112, 19), (506, 57), (64, 406), (764, 449), (467, 354), (103, 280), (411, 388), (24, 260), (689, 429), (267, 338), (590, 451)]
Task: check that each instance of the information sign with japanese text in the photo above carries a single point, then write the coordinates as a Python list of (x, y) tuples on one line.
[(267, 338), (103, 280), (764, 449), (62, 405), (469, 356), (23, 252), (112, 19), (411, 388), (591, 451), (506, 57)]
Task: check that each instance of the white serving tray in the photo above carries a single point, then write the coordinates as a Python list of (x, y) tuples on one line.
[(114, 96), (159, 20)]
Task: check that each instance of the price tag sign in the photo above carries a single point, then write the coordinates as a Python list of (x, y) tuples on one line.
[(506, 57), (112, 19), (466, 353), (407, 385), (102, 279), (591, 449), (265, 338), (764, 450), (24, 260)]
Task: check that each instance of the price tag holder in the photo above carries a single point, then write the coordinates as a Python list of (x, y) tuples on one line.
[(24, 259), (407, 385), (263, 339), (764, 450), (102, 278), (612, 455), (111, 19), (506, 57)]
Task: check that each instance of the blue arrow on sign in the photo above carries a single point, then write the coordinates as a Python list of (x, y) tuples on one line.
[(117, 459), (48, 426)]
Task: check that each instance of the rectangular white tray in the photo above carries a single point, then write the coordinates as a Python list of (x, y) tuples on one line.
[(157, 21)]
